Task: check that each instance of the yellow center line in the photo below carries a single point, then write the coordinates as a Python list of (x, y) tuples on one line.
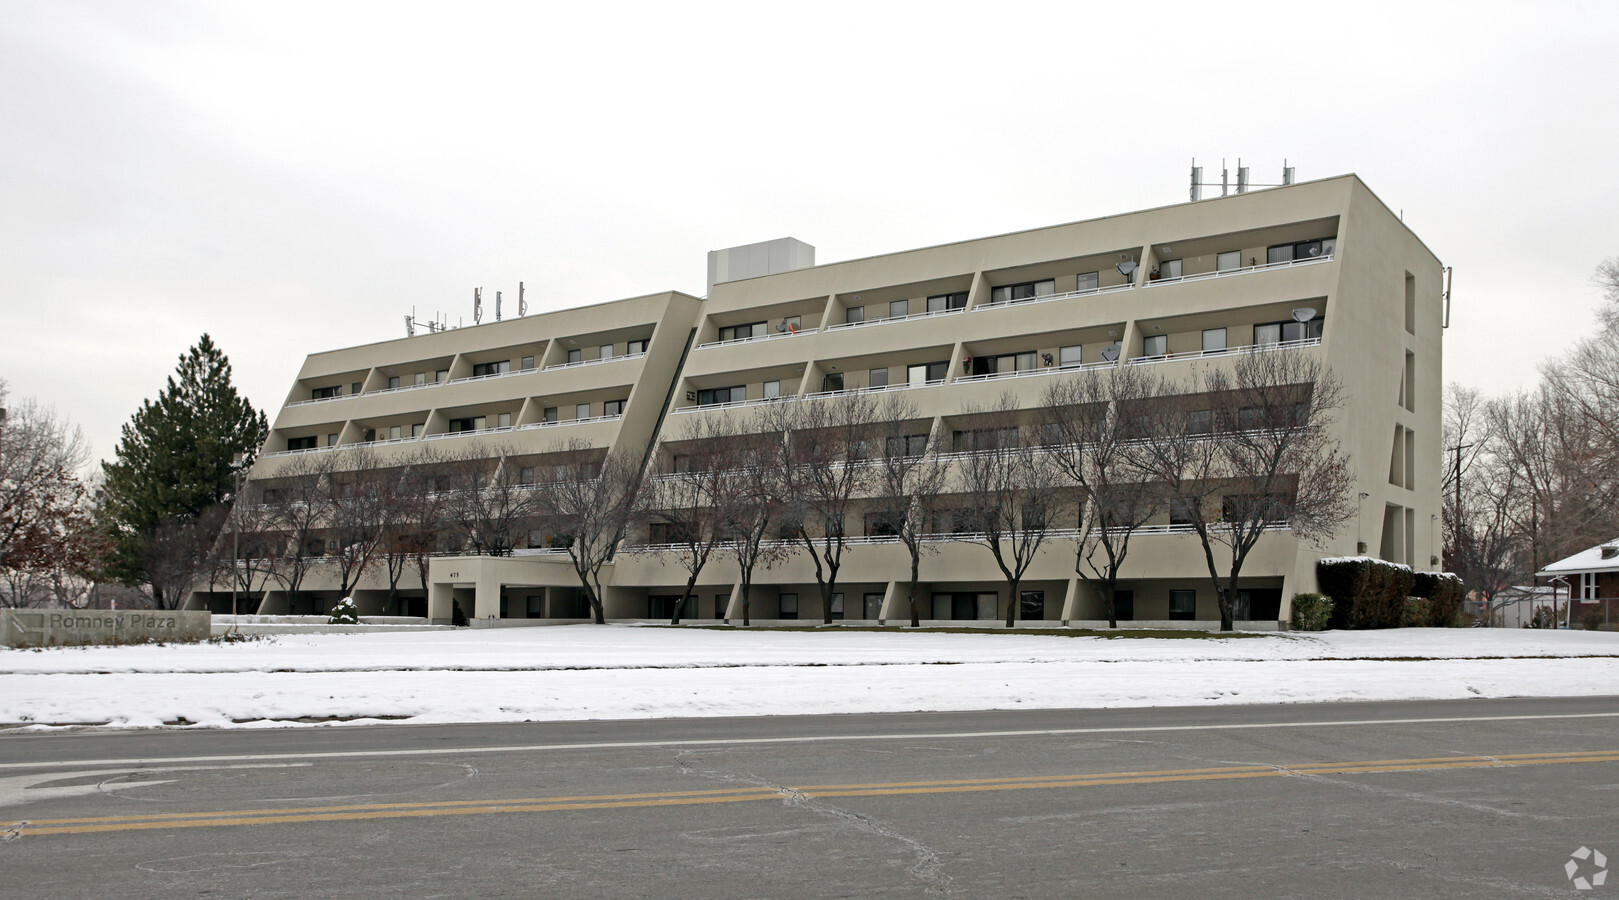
[(361, 812)]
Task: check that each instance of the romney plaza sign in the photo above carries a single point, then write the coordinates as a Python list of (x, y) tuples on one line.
[(74, 627)]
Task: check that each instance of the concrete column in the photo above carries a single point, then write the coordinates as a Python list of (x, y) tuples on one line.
[(273, 604), (894, 604), (486, 596), (734, 602), (440, 602), (1070, 601)]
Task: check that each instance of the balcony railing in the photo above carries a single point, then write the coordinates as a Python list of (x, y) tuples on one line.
[(446, 435), (1031, 373), (314, 400), (300, 452), (817, 395), (891, 319), (756, 338), (1088, 292), (593, 362), (404, 387), (1205, 354), (492, 375), (562, 422), (900, 386), (1204, 276)]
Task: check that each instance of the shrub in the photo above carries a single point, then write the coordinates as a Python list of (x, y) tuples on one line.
[(1311, 612), (457, 617), (1444, 593), (345, 613), (1365, 592), (1414, 614), (1543, 618), (1592, 620)]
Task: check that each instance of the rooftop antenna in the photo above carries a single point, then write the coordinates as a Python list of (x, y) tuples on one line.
[(410, 323), (477, 305), (1197, 181), (1245, 183), (522, 305), (497, 306), (1242, 177)]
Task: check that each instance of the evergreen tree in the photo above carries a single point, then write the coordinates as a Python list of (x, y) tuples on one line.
[(175, 460)]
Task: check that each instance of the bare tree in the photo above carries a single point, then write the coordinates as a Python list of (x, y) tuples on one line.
[(1012, 491), (426, 495), (749, 497), (909, 482), (1480, 498), (682, 504), (589, 508), (364, 500), (43, 502), (1088, 429), (1252, 452), (488, 500), (177, 552), (297, 502), (823, 467), (247, 551)]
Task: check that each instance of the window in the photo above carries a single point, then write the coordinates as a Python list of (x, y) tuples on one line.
[(395, 432), (1181, 511), (421, 377), (1253, 507), (1213, 340), (1155, 345), (899, 309), (1183, 604), (983, 439), (613, 407), (1228, 260), (926, 373), (832, 381), (885, 523), (440, 376), (393, 382), (416, 429), (874, 605), (1032, 605), (1088, 281), (942, 302), (1169, 268), (331, 439), (1588, 586), (772, 390), (788, 604), (576, 356), (909, 445), (480, 370), (1070, 356), (528, 363), (549, 414), (605, 351), (581, 411), (1200, 421), (1282, 253), (1028, 290), (466, 423), (670, 531), (503, 420), (525, 475), (722, 396), (1283, 332), (326, 393), (743, 332), (634, 347), (355, 388), (301, 443), (837, 605), (877, 377), (854, 315)]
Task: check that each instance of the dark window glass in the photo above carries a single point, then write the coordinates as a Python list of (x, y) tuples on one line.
[(1183, 604)]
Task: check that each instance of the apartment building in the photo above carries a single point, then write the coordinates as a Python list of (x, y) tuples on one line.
[(1322, 268)]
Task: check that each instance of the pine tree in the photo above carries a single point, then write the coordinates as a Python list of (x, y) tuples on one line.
[(176, 460)]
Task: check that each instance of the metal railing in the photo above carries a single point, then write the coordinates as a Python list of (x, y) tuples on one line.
[(758, 337), (1030, 373), (405, 387), (314, 400), (1087, 292), (505, 374), (885, 320), (593, 362), (446, 435), (1244, 270), (1229, 351), (561, 422)]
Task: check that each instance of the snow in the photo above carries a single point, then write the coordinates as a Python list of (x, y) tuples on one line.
[(619, 671)]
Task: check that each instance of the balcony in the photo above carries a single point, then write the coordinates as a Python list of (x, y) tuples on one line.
[(563, 422), (773, 336), (1208, 354), (587, 362), (1032, 373), (507, 374), (1088, 292), (446, 435), (320, 400), (872, 323), (1244, 270)]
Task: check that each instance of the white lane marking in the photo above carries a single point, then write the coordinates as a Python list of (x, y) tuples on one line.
[(19, 789), (809, 739)]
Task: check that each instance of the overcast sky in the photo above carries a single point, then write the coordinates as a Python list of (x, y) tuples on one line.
[(293, 177)]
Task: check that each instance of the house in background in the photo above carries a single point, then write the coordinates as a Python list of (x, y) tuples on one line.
[(1591, 577)]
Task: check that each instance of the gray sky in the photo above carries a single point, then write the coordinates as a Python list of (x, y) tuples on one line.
[(293, 177)]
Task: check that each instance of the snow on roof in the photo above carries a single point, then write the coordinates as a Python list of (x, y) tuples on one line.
[(1588, 560)]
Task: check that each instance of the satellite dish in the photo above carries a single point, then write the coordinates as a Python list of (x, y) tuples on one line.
[(1126, 268), (1110, 353), (782, 327), (1315, 250), (1303, 315)]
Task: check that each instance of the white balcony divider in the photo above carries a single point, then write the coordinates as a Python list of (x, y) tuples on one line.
[(887, 320), (1206, 354), (592, 362), (1245, 270), (1088, 292), (772, 336)]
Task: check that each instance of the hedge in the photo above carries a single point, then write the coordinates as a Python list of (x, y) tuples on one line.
[(1311, 612), (1365, 592), (1444, 593)]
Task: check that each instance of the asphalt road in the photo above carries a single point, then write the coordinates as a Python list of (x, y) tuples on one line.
[(1461, 798)]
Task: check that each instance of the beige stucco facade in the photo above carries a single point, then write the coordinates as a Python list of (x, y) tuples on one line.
[(1007, 314)]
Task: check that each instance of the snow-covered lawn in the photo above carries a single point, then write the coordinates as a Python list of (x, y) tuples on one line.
[(613, 672)]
